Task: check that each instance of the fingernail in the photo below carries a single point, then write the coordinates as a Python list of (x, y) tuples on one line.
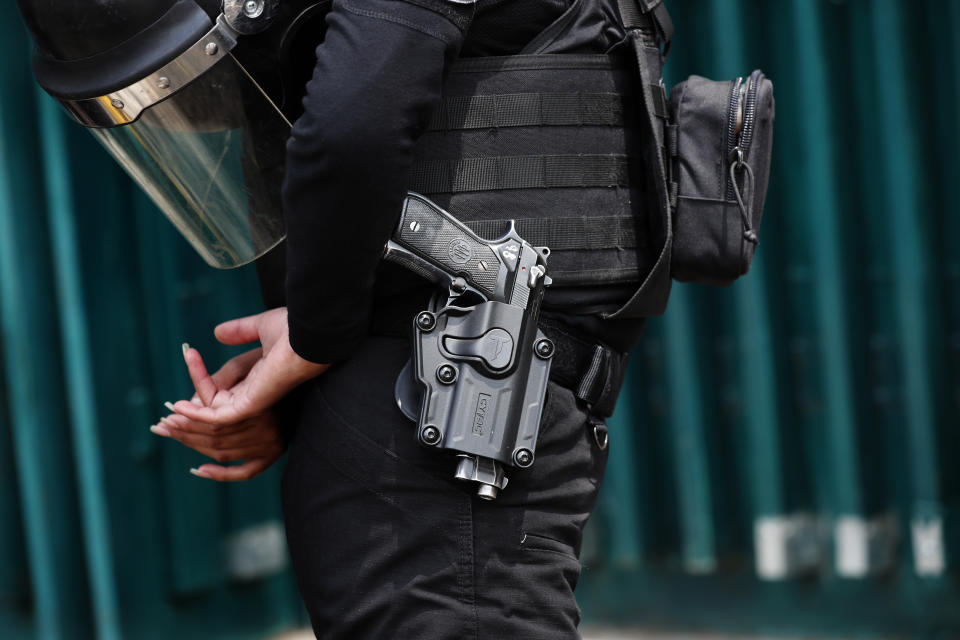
[(185, 347), (160, 430), (199, 474), (169, 405)]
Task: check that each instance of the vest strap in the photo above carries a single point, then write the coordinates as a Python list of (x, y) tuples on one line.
[(642, 19)]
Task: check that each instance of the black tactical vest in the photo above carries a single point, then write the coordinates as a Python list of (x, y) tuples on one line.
[(569, 145)]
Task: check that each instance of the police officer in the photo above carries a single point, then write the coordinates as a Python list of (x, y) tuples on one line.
[(384, 542)]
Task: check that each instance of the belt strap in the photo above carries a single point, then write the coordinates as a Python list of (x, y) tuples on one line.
[(593, 371)]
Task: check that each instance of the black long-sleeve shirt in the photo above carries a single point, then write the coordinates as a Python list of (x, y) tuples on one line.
[(377, 81)]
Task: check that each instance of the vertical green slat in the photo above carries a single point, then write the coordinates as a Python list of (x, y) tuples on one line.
[(620, 495), (687, 433), (941, 74), (29, 336), (883, 412), (950, 172), (192, 505), (651, 461), (17, 288), (915, 303), (758, 384), (79, 373), (13, 569), (751, 317), (115, 331), (819, 201)]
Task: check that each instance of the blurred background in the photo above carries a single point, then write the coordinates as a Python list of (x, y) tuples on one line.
[(784, 455)]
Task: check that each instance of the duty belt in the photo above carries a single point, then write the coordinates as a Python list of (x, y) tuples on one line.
[(592, 370)]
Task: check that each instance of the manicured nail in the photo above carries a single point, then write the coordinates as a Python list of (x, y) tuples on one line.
[(185, 347), (199, 474), (169, 405), (160, 430)]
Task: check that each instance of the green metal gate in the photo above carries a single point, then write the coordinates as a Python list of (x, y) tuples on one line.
[(103, 533), (783, 457), (786, 452)]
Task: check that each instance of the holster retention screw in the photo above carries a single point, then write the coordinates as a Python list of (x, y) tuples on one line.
[(544, 348), (426, 321), (430, 435), (523, 458), (447, 374)]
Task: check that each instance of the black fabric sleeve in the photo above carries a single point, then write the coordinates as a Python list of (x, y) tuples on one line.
[(377, 81)]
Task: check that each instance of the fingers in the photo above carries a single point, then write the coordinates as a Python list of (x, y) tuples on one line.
[(272, 376), (235, 369), (255, 440), (212, 444), (177, 422), (224, 415), (237, 473), (205, 385), (233, 455), (239, 330), (262, 388), (227, 376)]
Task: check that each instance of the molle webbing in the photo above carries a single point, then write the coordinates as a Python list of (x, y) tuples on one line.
[(528, 109), (548, 140), (519, 172), (566, 234)]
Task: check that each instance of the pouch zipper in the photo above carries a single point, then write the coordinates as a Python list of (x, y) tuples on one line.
[(750, 112), (741, 119), (736, 95), (734, 124), (742, 114)]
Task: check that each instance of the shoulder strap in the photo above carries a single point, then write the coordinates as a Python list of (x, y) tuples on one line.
[(657, 12), (648, 27)]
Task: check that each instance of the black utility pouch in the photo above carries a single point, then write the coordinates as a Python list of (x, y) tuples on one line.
[(720, 137)]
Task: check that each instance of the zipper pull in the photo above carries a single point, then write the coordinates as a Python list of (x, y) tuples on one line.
[(736, 157), (748, 233)]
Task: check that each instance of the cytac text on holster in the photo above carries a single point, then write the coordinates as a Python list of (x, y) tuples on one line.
[(479, 358)]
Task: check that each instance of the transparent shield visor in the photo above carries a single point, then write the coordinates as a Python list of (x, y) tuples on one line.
[(211, 157)]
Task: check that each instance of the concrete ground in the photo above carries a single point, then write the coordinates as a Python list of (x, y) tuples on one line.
[(609, 634)]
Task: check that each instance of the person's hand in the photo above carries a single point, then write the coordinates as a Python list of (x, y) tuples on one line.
[(236, 430), (275, 373), (258, 441)]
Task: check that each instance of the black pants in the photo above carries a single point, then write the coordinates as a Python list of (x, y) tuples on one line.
[(386, 544)]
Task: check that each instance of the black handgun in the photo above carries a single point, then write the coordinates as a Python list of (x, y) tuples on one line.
[(480, 360)]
